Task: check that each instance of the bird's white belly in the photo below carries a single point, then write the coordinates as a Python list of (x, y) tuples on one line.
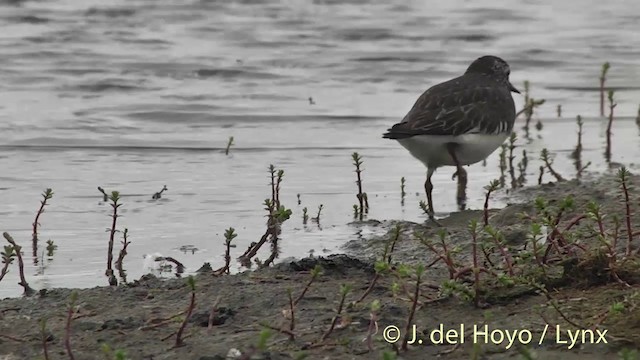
[(471, 148)]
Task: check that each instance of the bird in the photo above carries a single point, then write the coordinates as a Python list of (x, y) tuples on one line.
[(459, 122)]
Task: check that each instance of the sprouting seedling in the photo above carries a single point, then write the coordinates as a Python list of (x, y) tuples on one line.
[(43, 337), (414, 305), (344, 291), (423, 206), (362, 196), (317, 217), (7, 259), (229, 143), (17, 249), (623, 179), (71, 309), (383, 266), (105, 196), (299, 202), (498, 239), (559, 110), (403, 194), (356, 211), (373, 323), (51, 247), (305, 216), (229, 235), (522, 169), (577, 152), (315, 273), (115, 205), (122, 254), (548, 162), (603, 78), (540, 174), (612, 105), (46, 195), (158, 195), (539, 122), (512, 146), (493, 186), (279, 177), (192, 303), (503, 164)]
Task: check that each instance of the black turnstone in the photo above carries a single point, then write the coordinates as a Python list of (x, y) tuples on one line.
[(459, 122)]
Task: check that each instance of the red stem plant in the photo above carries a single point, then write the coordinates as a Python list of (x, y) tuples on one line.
[(612, 105), (344, 291), (28, 291), (623, 178), (229, 235), (414, 305), (493, 186), (122, 254), (47, 195), (67, 330), (603, 79), (192, 303), (115, 205)]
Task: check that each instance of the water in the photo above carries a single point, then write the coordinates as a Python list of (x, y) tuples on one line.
[(133, 95)]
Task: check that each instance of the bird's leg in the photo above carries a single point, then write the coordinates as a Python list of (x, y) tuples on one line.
[(428, 188), (461, 174)]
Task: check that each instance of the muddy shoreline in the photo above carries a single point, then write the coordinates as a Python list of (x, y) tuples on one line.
[(141, 318)]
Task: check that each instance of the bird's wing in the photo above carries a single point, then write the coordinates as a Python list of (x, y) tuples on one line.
[(457, 107)]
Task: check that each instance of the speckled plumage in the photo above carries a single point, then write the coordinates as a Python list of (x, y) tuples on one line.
[(459, 122), (479, 101)]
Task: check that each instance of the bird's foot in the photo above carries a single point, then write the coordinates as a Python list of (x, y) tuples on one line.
[(433, 220)]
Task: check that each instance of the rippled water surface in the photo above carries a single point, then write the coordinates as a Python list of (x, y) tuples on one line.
[(132, 95)]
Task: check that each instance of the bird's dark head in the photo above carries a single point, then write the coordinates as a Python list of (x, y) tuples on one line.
[(494, 67)]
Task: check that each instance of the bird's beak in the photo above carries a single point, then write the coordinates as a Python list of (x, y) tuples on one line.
[(513, 88)]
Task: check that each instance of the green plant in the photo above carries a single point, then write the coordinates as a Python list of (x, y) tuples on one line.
[(373, 323), (276, 215), (315, 273), (612, 105), (43, 338), (317, 217), (7, 259), (493, 186), (503, 164), (17, 249), (229, 235), (362, 196), (623, 178), (548, 162), (603, 78), (51, 247), (71, 309), (115, 205), (192, 303), (414, 305), (512, 145), (122, 254), (46, 195), (229, 143), (344, 291)]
